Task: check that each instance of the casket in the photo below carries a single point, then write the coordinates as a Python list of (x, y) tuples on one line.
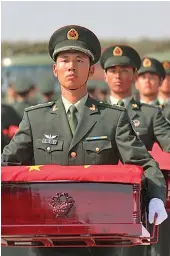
[(73, 206), (163, 158)]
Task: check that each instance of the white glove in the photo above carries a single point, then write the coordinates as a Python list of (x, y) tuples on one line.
[(157, 206)]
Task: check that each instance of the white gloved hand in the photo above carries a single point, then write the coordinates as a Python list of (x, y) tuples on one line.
[(157, 206)]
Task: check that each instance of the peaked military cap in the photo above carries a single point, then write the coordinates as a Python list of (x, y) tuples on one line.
[(23, 84), (73, 37), (122, 55), (152, 65), (166, 65)]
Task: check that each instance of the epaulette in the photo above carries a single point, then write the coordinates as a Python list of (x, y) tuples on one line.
[(150, 106), (43, 105), (107, 105)]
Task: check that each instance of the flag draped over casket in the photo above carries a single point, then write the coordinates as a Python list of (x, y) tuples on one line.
[(92, 173)]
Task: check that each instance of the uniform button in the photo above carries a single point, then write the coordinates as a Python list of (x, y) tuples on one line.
[(73, 154), (48, 148), (97, 149)]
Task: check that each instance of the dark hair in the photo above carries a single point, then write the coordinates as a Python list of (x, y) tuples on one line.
[(48, 94), (23, 94)]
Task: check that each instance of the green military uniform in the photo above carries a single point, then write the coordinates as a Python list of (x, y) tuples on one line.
[(104, 134), (148, 120), (22, 86), (149, 124), (161, 69), (166, 112), (166, 106)]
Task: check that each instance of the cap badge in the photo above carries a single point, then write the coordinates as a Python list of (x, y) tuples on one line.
[(166, 65), (72, 34), (147, 63), (117, 51), (136, 123)]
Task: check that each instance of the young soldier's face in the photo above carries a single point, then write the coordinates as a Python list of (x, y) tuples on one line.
[(148, 84), (72, 69), (165, 87), (120, 78)]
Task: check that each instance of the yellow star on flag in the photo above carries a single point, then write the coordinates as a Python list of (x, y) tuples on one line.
[(34, 168), (87, 166)]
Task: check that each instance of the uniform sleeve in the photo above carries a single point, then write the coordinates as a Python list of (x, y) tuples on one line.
[(161, 129), (133, 151), (20, 149)]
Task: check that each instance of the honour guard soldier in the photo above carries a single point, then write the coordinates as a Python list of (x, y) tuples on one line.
[(78, 130), (22, 87), (120, 64), (164, 91), (150, 77)]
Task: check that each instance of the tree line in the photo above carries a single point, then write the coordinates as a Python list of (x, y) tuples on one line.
[(143, 46)]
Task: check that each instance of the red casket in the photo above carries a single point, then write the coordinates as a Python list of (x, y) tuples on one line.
[(163, 159), (73, 206)]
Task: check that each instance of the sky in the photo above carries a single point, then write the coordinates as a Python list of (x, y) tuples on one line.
[(36, 21)]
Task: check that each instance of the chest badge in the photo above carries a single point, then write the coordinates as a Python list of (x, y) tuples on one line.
[(50, 139), (136, 123)]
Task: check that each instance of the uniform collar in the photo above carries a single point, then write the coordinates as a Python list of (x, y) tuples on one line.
[(152, 102), (164, 102), (114, 100), (79, 104)]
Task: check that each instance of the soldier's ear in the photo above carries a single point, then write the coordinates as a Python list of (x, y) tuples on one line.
[(91, 70), (105, 75), (135, 78), (55, 70), (160, 81)]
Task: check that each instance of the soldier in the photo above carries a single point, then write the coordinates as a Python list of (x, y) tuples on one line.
[(164, 89), (103, 91), (150, 77), (22, 88), (98, 90), (92, 89), (120, 64), (153, 79), (58, 132), (47, 89), (32, 97)]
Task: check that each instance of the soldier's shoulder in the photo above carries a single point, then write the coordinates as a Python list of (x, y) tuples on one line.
[(107, 105), (151, 107), (39, 106)]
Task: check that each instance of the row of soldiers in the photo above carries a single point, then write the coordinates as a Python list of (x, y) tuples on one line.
[(75, 117), (152, 84)]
